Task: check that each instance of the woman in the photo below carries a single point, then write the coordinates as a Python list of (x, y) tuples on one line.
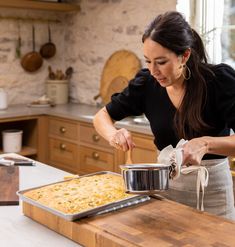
[(182, 96)]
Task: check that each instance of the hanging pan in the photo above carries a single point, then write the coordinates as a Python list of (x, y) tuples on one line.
[(48, 50), (32, 61)]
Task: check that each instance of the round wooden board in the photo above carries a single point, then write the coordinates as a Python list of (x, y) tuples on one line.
[(121, 63), (116, 86)]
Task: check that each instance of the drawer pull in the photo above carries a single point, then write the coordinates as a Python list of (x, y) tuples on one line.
[(95, 155), (95, 138), (62, 130), (62, 146)]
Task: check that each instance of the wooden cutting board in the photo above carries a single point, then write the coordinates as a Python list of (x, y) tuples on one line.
[(161, 223), (122, 64), (9, 184), (116, 86)]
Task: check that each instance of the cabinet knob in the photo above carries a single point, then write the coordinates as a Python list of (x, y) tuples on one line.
[(96, 138), (62, 146), (62, 130), (95, 155)]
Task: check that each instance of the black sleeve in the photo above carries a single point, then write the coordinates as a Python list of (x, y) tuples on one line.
[(225, 93), (130, 102)]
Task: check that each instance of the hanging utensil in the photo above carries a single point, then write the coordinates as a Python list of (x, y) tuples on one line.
[(18, 45), (48, 50), (32, 61)]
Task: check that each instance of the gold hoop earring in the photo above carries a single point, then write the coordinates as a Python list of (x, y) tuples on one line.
[(188, 71)]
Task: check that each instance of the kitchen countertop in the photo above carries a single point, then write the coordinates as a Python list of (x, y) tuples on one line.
[(17, 229), (80, 112)]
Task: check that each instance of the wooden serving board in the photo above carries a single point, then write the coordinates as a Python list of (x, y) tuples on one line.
[(161, 223), (9, 184), (120, 67)]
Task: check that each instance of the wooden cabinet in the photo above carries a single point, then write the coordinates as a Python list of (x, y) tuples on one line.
[(39, 5), (95, 153), (76, 147), (63, 144)]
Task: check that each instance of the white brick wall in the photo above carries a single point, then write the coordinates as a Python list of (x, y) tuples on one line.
[(84, 41)]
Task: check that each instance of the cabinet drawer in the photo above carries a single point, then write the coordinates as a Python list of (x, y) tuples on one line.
[(63, 129), (92, 160), (145, 150), (145, 142), (89, 135), (63, 154)]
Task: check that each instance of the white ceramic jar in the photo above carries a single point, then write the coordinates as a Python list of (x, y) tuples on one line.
[(57, 91), (12, 140), (3, 99)]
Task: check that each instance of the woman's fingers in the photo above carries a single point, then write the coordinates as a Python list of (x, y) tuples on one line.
[(193, 151), (122, 140)]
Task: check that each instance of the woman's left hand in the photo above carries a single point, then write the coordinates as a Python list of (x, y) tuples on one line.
[(194, 150)]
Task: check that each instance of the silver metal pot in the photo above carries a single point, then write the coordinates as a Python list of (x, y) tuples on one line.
[(145, 178)]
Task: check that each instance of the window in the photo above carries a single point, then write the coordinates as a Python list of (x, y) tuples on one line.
[(215, 22)]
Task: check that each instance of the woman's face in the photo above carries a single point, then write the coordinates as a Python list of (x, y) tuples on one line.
[(164, 65)]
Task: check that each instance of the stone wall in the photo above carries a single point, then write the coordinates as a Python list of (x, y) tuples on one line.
[(84, 40)]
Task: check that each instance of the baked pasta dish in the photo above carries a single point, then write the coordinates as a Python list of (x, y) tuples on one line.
[(81, 194)]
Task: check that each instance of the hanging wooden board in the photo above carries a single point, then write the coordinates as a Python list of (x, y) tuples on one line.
[(120, 67)]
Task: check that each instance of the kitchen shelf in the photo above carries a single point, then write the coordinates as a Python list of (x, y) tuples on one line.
[(38, 5), (26, 151)]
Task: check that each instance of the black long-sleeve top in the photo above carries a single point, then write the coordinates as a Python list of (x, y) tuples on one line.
[(145, 95)]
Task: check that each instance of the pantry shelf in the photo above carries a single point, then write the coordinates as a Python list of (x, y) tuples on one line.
[(26, 151)]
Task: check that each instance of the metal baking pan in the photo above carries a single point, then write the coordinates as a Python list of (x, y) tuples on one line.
[(126, 202)]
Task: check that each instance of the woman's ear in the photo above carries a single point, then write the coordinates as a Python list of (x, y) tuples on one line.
[(186, 55)]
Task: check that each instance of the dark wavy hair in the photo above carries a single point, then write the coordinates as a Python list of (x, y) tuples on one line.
[(173, 32)]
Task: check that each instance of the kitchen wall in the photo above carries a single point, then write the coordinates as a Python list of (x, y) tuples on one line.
[(84, 40), (22, 86)]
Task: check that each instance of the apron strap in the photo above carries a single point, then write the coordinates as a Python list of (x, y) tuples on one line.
[(202, 180)]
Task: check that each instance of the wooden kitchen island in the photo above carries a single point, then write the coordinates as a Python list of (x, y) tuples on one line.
[(158, 222)]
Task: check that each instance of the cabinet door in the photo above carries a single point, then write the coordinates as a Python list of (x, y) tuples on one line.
[(94, 160), (145, 150), (63, 155)]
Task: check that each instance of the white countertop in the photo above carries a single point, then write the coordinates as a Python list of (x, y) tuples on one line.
[(17, 230), (80, 112)]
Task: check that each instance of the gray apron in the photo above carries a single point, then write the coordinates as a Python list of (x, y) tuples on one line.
[(218, 196)]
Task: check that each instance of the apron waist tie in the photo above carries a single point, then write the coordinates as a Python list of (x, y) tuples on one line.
[(202, 180)]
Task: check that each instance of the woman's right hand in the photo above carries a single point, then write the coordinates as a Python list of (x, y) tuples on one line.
[(121, 139)]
